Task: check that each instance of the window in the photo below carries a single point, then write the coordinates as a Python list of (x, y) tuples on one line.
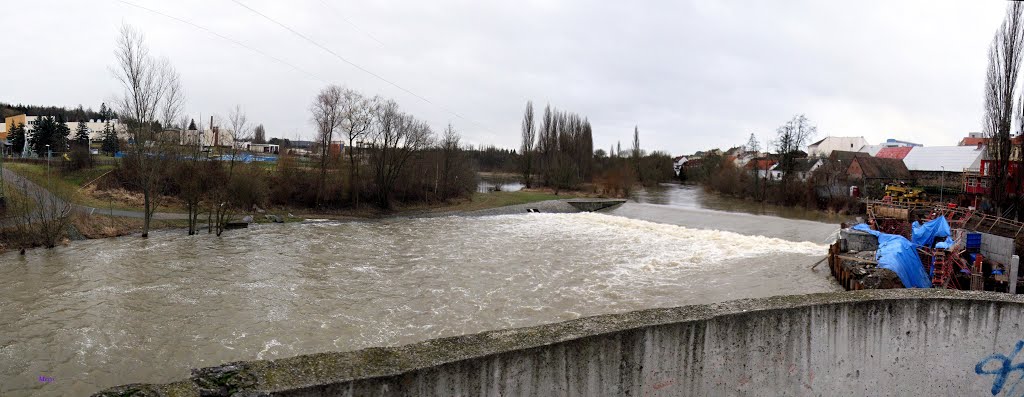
[(984, 183), (971, 182)]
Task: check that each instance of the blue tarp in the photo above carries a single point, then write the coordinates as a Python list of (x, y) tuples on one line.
[(898, 254), (925, 233)]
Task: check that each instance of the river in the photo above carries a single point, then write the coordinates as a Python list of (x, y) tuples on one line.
[(99, 313)]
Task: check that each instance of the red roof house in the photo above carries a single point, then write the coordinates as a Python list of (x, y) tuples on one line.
[(893, 152)]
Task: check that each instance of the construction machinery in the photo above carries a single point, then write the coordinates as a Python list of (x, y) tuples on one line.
[(906, 195)]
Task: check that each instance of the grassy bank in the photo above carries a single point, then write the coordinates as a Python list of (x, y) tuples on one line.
[(71, 185)]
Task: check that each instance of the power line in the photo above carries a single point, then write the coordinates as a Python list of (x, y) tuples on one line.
[(328, 50), (343, 59), (343, 18), (236, 42)]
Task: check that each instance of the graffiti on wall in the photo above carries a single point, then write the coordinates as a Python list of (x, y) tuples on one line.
[(1003, 369)]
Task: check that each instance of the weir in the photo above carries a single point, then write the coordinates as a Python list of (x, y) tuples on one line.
[(591, 205), (877, 342)]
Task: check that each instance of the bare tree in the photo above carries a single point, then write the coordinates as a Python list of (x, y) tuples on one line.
[(151, 93), (526, 150), (191, 175), (1004, 61), (449, 159), (223, 206), (357, 119), (327, 115), (789, 139), (397, 137), (41, 217), (753, 146)]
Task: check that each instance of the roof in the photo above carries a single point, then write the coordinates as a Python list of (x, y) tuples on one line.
[(896, 142), (818, 142), (971, 141), (846, 157), (894, 152), (870, 149), (882, 168), (945, 158), (805, 164), (761, 164)]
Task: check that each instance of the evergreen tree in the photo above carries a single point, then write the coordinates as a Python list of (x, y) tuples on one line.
[(192, 125), (82, 134), (43, 135), (17, 137), (104, 112), (110, 143), (62, 135)]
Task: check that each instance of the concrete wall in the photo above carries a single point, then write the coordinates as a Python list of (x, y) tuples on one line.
[(882, 342), (997, 248)]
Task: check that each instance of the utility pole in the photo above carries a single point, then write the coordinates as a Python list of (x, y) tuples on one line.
[(942, 183)]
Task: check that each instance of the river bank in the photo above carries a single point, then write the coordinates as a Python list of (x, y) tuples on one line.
[(95, 225), (696, 197)]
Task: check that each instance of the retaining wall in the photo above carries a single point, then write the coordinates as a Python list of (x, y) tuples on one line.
[(880, 342)]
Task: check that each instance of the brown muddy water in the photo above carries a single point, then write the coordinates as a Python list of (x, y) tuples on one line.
[(99, 313)]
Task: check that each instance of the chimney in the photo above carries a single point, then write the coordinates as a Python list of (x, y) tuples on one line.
[(216, 135)]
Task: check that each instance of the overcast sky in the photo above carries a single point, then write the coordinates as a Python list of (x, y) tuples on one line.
[(692, 74)]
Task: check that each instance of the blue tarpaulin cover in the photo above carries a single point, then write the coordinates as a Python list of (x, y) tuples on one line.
[(925, 233), (898, 254)]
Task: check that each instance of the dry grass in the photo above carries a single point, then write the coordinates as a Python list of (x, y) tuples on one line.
[(98, 226)]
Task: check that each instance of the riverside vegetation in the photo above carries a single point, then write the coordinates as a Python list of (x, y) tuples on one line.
[(392, 162)]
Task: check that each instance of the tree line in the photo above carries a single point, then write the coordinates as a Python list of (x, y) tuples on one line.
[(392, 157), (75, 114), (557, 151)]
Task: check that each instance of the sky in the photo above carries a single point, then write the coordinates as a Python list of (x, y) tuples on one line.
[(691, 75)]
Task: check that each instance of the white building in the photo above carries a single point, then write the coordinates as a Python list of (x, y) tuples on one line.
[(208, 138), (826, 146), (946, 158), (95, 127)]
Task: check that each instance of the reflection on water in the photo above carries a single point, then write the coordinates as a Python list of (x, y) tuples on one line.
[(497, 182), (100, 313), (695, 198)]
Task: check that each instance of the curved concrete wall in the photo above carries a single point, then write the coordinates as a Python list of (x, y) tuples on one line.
[(882, 342)]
